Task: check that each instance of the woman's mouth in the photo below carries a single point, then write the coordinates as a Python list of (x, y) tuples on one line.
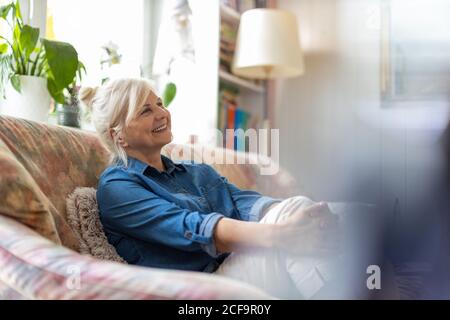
[(160, 128)]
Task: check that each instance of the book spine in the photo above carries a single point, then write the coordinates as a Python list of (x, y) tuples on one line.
[(231, 115)]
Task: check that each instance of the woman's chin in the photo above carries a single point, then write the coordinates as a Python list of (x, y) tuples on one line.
[(165, 137)]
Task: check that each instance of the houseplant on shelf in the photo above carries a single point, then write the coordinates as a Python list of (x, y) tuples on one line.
[(33, 70), (69, 112)]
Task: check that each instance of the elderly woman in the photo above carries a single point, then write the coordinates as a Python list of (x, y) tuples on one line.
[(183, 215)]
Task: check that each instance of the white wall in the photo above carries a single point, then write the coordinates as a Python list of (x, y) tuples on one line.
[(324, 140), (336, 137)]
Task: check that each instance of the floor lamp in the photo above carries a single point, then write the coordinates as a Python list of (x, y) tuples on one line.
[(268, 46)]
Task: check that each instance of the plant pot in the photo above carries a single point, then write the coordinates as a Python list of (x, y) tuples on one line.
[(68, 115), (33, 103)]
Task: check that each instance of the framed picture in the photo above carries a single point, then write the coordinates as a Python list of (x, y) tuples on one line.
[(415, 50)]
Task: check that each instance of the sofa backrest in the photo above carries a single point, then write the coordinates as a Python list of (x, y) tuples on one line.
[(60, 159), (246, 171)]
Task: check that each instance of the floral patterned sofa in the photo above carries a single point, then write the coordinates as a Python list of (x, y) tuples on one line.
[(40, 165)]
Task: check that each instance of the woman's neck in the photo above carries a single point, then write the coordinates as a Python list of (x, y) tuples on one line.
[(151, 158)]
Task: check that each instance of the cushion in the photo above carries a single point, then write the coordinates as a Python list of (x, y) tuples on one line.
[(21, 199), (58, 158), (83, 217), (7, 293)]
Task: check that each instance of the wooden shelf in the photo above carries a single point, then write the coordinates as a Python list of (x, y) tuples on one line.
[(242, 83), (230, 14)]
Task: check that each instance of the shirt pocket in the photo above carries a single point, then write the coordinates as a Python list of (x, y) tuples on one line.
[(218, 197), (213, 184), (192, 202)]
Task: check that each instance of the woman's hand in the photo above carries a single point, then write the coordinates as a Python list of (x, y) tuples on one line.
[(310, 231)]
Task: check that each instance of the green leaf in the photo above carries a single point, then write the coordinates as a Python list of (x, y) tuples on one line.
[(62, 59), (4, 10), (28, 39), (15, 82), (17, 11), (16, 32), (169, 94), (16, 37), (81, 68), (3, 48), (38, 60), (57, 95)]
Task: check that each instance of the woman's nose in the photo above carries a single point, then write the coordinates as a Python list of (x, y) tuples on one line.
[(162, 113)]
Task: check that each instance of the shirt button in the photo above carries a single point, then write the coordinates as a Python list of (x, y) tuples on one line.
[(188, 234)]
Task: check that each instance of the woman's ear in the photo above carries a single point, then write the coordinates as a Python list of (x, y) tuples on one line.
[(112, 133), (119, 137), (122, 141)]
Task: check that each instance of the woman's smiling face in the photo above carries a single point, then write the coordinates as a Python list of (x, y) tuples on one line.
[(151, 128)]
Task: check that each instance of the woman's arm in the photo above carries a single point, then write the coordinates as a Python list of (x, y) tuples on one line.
[(310, 231), (236, 235), (251, 205)]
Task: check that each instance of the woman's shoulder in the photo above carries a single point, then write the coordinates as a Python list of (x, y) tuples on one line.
[(198, 167), (113, 172), (191, 164)]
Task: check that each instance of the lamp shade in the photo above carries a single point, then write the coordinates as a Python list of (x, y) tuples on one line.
[(268, 45)]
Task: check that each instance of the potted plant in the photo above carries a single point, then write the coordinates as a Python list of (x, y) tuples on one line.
[(69, 112), (33, 69)]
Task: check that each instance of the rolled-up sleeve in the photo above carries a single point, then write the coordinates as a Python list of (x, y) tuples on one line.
[(251, 204), (129, 208)]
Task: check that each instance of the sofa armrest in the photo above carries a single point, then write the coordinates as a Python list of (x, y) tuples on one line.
[(39, 269)]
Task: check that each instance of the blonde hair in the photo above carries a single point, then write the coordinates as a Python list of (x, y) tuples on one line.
[(114, 105)]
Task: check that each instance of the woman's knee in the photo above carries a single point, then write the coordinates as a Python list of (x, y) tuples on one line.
[(286, 208), (299, 202)]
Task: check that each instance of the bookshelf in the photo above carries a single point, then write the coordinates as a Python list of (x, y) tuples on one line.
[(241, 102), (239, 82)]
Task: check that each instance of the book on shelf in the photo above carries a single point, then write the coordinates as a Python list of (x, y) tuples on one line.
[(227, 100), (228, 35), (231, 116), (240, 122)]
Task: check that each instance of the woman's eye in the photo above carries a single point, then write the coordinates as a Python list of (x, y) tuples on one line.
[(146, 110)]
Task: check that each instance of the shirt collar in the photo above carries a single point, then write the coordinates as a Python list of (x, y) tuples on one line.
[(141, 167)]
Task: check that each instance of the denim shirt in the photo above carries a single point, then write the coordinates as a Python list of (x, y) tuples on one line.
[(167, 219)]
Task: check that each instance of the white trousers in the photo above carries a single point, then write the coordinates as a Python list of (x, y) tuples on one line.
[(282, 275)]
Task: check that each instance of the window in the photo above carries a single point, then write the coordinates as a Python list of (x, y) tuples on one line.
[(89, 25), (190, 47)]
